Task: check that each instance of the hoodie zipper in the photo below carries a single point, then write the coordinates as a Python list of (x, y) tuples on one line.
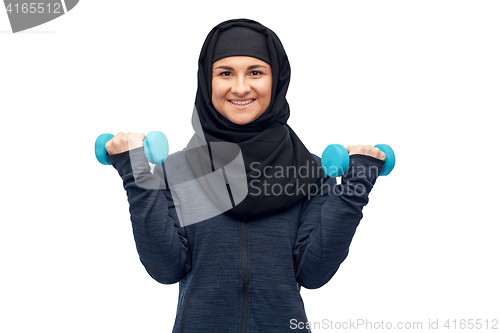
[(244, 259)]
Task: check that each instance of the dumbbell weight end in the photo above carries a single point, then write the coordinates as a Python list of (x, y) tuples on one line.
[(156, 147), (335, 160), (100, 148), (390, 159)]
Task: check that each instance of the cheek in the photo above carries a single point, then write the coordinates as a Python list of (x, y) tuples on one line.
[(218, 91), (267, 90), (215, 93)]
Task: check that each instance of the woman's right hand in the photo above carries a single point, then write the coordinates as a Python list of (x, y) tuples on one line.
[(124, 142)]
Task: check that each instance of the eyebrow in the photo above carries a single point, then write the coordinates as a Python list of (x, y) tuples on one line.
[(232, 69)]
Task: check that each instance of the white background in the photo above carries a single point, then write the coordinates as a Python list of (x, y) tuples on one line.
[(422, 76)]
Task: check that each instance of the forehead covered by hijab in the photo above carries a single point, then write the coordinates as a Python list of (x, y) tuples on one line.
[(241, 41)]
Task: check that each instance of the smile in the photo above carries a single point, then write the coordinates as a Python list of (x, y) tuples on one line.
[(245, 102)]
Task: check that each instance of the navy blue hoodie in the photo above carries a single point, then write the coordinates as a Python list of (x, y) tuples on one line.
[(237, 276)]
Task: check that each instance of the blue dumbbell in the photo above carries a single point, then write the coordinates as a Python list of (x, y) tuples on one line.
[(155, 147), (335, 160)]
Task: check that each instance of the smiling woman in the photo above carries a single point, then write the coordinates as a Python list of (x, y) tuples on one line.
[(241, 88), (241, 269)]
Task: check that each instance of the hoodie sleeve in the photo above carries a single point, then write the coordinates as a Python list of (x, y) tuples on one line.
[(329, 220), (160, 240)]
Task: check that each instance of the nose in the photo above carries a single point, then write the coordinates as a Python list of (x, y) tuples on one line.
[(240, 87)]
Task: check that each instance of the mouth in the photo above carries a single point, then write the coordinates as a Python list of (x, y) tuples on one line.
[(241, 103)]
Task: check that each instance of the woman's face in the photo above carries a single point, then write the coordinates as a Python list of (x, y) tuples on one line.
[(241, 88)]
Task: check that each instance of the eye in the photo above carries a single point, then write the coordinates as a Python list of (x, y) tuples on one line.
[(225, 73), (255, 73)]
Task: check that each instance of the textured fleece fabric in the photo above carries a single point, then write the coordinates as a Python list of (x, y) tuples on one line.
[(239, 276)]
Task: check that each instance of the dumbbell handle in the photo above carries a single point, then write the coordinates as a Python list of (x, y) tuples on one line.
[(155, 147), (335, 160)]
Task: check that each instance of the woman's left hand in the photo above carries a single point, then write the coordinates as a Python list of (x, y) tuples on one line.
[(366, 150)]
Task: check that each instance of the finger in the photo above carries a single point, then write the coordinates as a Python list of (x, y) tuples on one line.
[(382, 155), (108, 145), (376, 153), (135, 140), (117, 135), (352, 150), (123, 138)]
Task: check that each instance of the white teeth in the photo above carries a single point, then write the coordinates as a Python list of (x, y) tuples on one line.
[(242, 102)]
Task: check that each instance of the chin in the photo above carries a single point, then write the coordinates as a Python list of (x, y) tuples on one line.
[(240, 121)]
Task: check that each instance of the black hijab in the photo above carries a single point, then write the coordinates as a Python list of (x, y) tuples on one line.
[(278, 167)]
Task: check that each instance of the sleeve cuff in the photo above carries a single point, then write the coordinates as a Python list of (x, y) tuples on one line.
[(364, 166), (121, 161), (368, 158)]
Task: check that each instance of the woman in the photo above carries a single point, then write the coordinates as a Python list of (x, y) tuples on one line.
[(242, 270)]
